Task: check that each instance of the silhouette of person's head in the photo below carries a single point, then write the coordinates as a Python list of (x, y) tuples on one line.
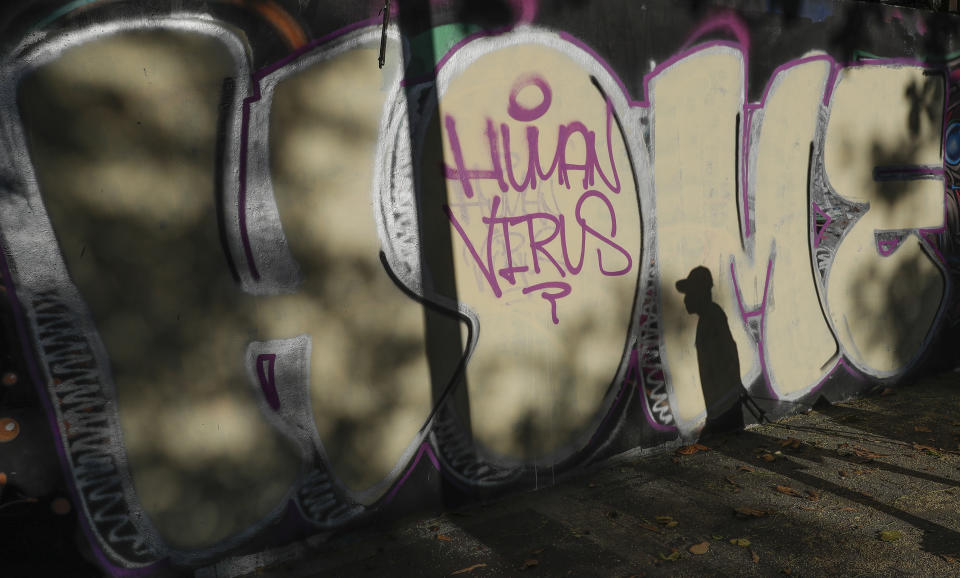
[(696, 289)]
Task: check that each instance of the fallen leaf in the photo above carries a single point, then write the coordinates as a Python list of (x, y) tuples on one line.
[(929, 450), (842, 474), (743, 468), (699, 549), (813, 495), (951, 559), (742, 542), (444, 538), (691, 449), (792, 443), (667, 521), (672, 556), (745, 512), (650, 527), (789, 491), (787, 571), (922, 429), (767, 457), (530, 563), (754, 557), (847, 509), (891, 535), (468, 569), (865, 453)]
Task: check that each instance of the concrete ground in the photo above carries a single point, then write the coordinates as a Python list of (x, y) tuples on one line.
[(865, 488)]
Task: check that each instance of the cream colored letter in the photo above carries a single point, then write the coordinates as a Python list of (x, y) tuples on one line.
[(884, 128)]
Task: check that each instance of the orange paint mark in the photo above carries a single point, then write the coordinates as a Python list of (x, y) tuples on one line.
[(61, 506), (9, 429), (280, 19)]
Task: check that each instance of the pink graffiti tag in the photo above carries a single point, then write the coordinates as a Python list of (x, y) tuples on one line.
[(541, 228)]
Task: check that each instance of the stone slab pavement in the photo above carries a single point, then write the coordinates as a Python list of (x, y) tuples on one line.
[(865, 488)]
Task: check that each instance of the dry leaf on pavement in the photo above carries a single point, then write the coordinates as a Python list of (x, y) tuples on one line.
[(650, 527), (700, 549), (673, 556), (792, 443), (789, 491), (742, 542), (891, 535), (444, 538), (865, 453), (745, 512), (691, 449), (468, 569), (930, 450)]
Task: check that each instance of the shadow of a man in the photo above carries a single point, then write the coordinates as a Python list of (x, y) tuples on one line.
[(716, 354)]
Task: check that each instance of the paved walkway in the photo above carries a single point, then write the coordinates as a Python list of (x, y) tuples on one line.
[(866, 488)]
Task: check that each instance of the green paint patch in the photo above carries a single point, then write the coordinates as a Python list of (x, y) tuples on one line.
[(441, 40)]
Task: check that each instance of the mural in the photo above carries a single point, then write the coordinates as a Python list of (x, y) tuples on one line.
[(258, 260)]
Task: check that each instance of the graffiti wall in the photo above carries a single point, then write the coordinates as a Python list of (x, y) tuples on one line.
[(280, 269)]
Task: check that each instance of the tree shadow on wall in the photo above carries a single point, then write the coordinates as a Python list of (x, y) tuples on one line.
[(128, 183), (907, 309)]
